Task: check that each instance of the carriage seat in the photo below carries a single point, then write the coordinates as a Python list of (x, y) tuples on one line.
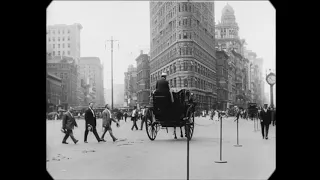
[(161, 103)]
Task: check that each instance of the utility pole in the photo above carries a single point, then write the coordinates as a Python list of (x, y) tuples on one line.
[(112, 40)]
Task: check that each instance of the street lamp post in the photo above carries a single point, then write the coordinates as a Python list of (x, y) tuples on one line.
[(271, 80), (112, 40)]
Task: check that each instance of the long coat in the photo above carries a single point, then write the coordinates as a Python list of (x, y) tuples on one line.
[(68, 122), (106, 120), (265, 116), (89, 118), (162, 85)]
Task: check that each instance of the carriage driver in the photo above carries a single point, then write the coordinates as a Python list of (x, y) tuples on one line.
[(162, 85)]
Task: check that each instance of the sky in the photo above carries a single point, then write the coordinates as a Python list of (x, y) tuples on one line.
[(129, 23)]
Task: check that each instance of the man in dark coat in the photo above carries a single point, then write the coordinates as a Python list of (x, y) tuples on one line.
[(162, 85), (91, 122), (68, 123), (265, 119)]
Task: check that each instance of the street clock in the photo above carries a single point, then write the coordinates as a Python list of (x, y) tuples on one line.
[(271, 79)]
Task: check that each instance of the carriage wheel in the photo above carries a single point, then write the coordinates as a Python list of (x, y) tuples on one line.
[(151, 129), (190, 125)]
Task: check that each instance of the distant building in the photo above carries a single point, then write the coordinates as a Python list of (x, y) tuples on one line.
[(222, 80), (66, 69), (130, 87), (64, 40), (92, 70), (54, 92), (143, 79)]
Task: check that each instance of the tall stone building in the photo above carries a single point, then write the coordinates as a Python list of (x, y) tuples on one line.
[(143, 79), (227, 32), (91, 69), (228, 40), (222, 80), (183, 46), (64, 40), (67, 69), (130, 87)]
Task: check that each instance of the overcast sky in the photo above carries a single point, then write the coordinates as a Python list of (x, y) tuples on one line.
[(129, 22)]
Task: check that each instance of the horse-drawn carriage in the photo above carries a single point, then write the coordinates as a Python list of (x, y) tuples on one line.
[(163, 113)]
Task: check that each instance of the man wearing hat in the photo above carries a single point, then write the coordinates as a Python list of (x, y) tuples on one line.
[(68, 123), (265, 119), (162, 85), (91, 122), (106, 123), (134, 117)]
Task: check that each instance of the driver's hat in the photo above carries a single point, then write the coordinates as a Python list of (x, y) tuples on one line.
[(164, 74)]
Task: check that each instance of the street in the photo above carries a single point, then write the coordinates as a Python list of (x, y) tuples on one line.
[(137, 157)]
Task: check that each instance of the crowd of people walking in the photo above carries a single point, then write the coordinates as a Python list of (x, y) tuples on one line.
[(90, 117)]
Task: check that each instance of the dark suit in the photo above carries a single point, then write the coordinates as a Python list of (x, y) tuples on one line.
[(162, 85), (265, 118), (68, 123), (90, 119)]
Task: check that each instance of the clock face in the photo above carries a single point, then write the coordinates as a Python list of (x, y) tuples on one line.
[(271, 79)]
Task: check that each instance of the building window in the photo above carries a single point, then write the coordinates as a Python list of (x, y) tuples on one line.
[(58, 53), (53, 39), (68, 38), (53, 32), (58, 45), (68, 45), (185, 83), (58, 38), (68, 52), (62, 38), (185, 35), (53, 53), (58, 31), (49, 39), (68, 31), (53, 45), (62, 52)]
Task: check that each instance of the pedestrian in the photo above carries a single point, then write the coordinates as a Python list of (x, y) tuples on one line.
[(238, 113), (143, 116), (215, 116), (106, 123), (118, 115), (125, 116), (134, 117), (211, 114), (265, 120), (274, 117), (90, 123), (68, 123)]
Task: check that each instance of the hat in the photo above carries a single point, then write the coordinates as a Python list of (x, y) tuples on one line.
[(163, 74)]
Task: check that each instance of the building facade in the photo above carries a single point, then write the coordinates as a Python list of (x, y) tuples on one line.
[(130, 87), (53, 91), (64, 40), (67, 69), (222, 80), (183, 46), (92, 70), (143, 79)]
